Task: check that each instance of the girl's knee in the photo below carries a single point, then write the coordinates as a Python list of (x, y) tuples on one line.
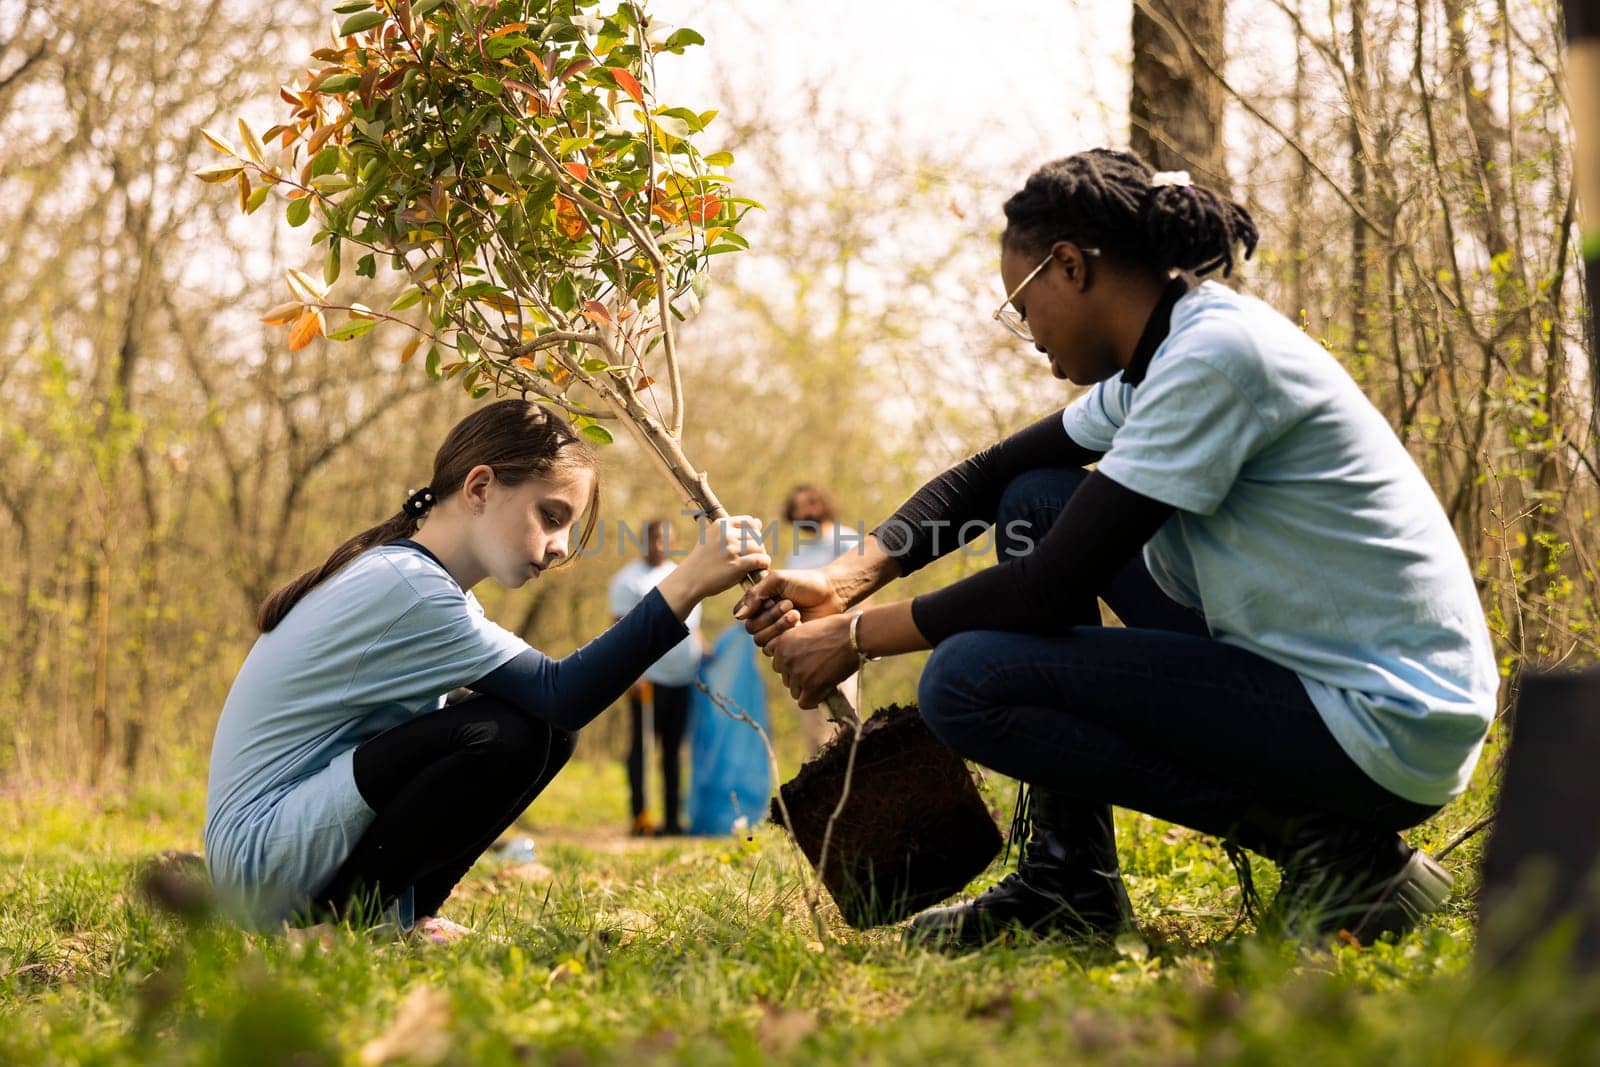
[(562, 745)]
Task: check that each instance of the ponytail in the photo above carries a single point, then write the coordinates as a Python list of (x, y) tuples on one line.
[(1115, 202), (276, 606), (518, 440)]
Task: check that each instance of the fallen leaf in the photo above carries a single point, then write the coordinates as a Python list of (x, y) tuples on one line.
[(532, 871), (420, 1033), (781, 1029)]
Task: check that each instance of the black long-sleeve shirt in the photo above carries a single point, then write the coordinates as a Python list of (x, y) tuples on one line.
[(1101, 527), (572, 691)]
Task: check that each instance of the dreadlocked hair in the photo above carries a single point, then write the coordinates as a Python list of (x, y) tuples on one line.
[(517, 439), (1105, 199)]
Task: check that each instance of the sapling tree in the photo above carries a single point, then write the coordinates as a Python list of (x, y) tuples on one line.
[(544, 218)]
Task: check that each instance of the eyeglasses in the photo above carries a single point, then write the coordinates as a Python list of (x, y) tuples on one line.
[(1007, 316)]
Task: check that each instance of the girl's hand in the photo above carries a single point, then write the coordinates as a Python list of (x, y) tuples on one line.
[(814, 657), (726, 551), (783, 600)]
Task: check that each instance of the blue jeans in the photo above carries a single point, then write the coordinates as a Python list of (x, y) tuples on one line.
[(1158, 717)]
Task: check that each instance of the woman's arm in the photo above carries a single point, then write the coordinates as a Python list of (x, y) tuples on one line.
[(925, 527), (960, 505), (1102, 526)]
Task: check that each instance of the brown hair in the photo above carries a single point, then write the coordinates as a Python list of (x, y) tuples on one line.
[(518, 440), (823, 496)]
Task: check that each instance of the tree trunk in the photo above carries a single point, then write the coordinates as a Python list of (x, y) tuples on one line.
[(1360, 285), (1583, 74), (1176, 107)]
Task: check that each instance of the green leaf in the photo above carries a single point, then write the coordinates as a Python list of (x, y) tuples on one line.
[(340, 83), (485, 83), (257, 197), (690, 119), (298, 211), (719, 159), (425, 7), (410, 298), (563, 295), (598, 434), (353, 328), (501, 47), (330, 267), (367, 266), (682, 39), (673, 126), (353, 6), (431, 363), (364, 21), (326, 161)]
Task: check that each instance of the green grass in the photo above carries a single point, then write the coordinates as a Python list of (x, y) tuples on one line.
[(702, 952)]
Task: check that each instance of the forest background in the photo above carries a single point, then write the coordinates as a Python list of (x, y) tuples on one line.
[(166, 461)]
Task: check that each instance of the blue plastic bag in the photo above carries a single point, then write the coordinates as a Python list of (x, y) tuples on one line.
[(730, 778)]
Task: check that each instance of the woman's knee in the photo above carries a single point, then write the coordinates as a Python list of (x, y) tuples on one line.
[(948, 696), (1029, 505)]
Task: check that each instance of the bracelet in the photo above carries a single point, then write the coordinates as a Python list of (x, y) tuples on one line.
[(855, 645)]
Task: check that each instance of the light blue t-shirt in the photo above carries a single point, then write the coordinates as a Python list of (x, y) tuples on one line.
[(1305, 533), (629, 586), (380, 642)]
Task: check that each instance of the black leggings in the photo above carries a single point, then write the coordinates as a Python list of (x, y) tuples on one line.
[(671, 716), (445, 785)]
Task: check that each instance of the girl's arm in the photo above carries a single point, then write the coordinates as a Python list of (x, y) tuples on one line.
[(570, 692)]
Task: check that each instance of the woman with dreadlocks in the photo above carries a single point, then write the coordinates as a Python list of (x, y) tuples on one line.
[(1304, 668)]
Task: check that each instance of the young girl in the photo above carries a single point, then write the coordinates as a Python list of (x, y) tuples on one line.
[(342, 782), (1304, 669)]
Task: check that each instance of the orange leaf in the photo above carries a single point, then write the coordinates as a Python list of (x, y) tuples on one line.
[(629, 83), (643, 383), (305, 330), (410, 349), (705, 207), (595, 311), (527, 364), (569, 220), (510, 27), (283, 314), (577, 170), (667, 211)]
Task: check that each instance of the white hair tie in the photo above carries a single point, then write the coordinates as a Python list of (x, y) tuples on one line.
[(1176, 178)]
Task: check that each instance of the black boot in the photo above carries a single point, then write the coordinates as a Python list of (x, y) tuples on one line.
[(1067, 882), (1338, 877)]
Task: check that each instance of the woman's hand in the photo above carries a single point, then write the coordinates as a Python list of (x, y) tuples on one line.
[(784, 599), (726, 551), (814, 657)]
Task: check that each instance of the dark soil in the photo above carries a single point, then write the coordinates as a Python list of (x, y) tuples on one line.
[(914, 832)]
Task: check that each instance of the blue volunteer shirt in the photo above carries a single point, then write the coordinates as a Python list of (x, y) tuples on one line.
[(380, 642), (1305, 533)]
